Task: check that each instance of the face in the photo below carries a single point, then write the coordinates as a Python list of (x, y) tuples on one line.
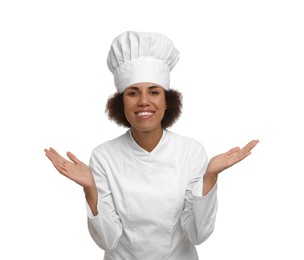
[(144, 106)]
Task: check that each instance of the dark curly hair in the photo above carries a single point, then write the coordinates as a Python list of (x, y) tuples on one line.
[(115, 109)]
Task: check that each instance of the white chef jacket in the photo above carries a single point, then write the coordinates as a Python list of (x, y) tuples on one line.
[(150, 204)]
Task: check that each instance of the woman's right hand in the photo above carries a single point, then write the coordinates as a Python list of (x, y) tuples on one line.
[(74, 169)]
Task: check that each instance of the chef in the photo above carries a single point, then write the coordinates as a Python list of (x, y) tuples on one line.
[(150, 193)]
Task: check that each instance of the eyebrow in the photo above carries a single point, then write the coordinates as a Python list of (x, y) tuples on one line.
[(137, 88)]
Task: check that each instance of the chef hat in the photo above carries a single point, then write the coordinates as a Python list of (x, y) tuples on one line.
[(137, 57)]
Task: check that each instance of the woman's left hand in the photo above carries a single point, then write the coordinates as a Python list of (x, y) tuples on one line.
[(223, 161)]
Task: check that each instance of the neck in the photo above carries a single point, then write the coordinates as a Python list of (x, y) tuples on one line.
[(147, 140)]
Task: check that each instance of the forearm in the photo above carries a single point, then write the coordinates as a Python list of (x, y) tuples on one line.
[(198, 216), (92, 198), (209, 181)]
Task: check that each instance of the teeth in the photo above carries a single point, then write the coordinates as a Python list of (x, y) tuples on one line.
[(144, 113)]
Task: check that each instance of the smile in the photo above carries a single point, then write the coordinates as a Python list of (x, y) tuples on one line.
[(145, 114)]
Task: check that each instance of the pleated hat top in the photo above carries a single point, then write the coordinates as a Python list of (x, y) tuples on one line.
[(136, 57)]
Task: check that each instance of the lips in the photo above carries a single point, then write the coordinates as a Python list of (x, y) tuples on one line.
[(144, 114)]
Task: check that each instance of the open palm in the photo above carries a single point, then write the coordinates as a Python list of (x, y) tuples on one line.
[(223, 161), (74, 169)]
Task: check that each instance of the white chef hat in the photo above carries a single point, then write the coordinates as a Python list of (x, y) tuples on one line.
[(137, 57)]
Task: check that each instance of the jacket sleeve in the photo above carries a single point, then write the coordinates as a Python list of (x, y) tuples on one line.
[(199, 213), (105, 228)]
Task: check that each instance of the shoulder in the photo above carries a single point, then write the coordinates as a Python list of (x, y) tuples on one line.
[(111, 145), (184, 141), (188, 151), (184, 147)]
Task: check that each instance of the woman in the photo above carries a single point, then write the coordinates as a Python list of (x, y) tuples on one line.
[(151, 194)]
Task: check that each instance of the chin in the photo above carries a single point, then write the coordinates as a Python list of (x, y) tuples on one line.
[(146, 128)]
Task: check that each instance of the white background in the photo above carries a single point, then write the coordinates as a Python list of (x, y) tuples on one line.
[(241, 74)]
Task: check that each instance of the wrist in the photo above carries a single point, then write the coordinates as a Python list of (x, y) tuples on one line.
[(90, 190), (91, 195), (210, 176)]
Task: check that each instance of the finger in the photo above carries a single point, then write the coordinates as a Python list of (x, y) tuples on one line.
[(233, 150), (246, 150), (61, 167), (46, 151), (55, 152), (248, 147), (73, 158), (50, 155), (55, 157), (242, 156)]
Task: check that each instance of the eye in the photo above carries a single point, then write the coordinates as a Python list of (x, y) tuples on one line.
[(154, 92), (132, 93)]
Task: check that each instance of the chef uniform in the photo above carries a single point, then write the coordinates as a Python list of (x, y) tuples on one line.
[(150, 204)]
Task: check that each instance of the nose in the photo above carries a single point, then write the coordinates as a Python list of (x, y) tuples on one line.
[(143, 99)]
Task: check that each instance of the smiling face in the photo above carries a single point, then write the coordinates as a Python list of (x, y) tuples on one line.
[(144, 106)]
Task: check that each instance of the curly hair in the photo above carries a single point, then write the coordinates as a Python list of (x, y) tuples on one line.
[(115, 109)]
